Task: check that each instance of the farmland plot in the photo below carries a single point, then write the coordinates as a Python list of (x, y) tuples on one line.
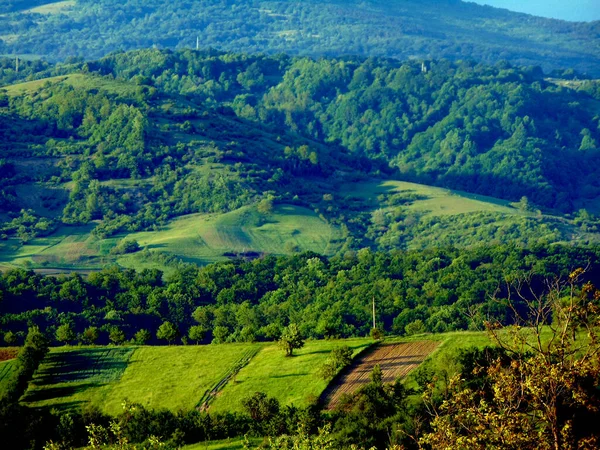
[(395, 360)]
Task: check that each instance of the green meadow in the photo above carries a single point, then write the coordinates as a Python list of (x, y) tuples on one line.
[(293, 380), (197, 238), (178, 377), (432, 201), (157, 377)]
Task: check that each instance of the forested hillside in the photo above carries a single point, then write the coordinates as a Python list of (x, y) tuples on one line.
[(399, 29), (95, 152)]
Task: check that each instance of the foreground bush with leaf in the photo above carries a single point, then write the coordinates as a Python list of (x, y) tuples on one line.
[(544, 396)]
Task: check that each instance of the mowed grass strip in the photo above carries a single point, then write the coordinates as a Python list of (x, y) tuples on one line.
[(70, 377), (6, 369), (157, 377), (292, 380), (226, 444)]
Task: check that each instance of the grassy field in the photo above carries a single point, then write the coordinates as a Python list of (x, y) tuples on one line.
[(6, 368), (177, 377), (228, 444), (158, 377), (292, 380), (432, 201), (201, 239), (76, 80), (205, 238), (51, 8)]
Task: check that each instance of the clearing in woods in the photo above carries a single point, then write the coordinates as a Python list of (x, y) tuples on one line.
[(395, 360)]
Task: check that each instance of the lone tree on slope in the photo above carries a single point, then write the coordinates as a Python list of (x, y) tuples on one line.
[(291, 339)]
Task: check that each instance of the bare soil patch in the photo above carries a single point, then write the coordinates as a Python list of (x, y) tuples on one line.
[(8, 353), (395, 360)]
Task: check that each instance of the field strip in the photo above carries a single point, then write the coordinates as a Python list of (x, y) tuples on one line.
[(5, 369), (395, 360), (211, 393)]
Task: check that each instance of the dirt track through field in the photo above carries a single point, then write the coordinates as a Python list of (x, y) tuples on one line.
[(395, 360)]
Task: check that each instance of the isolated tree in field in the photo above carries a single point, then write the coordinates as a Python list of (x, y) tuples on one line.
[(141, 337), (65, 334), (265, 206), (168, 332), (90, 335), (545, 396), (291, 339), (116, 336), (196, 333), (260, 407), (339, 358)]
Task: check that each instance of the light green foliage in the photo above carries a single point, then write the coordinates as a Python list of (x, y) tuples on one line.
[(142, 337), (339, 358), (116, 335), (168, 332), (196, 333), (65, 334), (90, 335), (291, 339)]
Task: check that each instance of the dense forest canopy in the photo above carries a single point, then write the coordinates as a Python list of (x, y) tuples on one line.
[(244, 301), (399, 29)]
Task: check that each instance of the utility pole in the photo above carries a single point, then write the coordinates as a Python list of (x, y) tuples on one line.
[(374, 324)]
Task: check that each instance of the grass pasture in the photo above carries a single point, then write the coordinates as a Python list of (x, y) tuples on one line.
[(432, 201), (75, 80), (206, 238), (158, 377), (293, 380), (178, 377), (70, 377), (198, 238), (6, 369), (227, 444), (51, 8)]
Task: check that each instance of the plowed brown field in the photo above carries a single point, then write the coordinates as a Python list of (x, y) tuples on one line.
[(395, 360)]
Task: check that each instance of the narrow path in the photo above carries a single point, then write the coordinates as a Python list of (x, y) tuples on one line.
[(212, 393)]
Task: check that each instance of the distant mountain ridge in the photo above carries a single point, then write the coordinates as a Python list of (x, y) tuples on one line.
[(403, 30)]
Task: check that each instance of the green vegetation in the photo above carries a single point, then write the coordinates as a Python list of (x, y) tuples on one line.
[(247, 300), (183, 155), (413, 28), (156, 377), (292, 381), (229, 444)]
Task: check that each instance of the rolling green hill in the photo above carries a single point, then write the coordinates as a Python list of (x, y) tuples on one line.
[(204, 156), (399, 29)]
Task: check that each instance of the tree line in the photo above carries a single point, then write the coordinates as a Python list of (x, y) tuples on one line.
[(245, 301)]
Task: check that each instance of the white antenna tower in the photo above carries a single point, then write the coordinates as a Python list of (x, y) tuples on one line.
[(374, 324), (197, 42), (17, 65)]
